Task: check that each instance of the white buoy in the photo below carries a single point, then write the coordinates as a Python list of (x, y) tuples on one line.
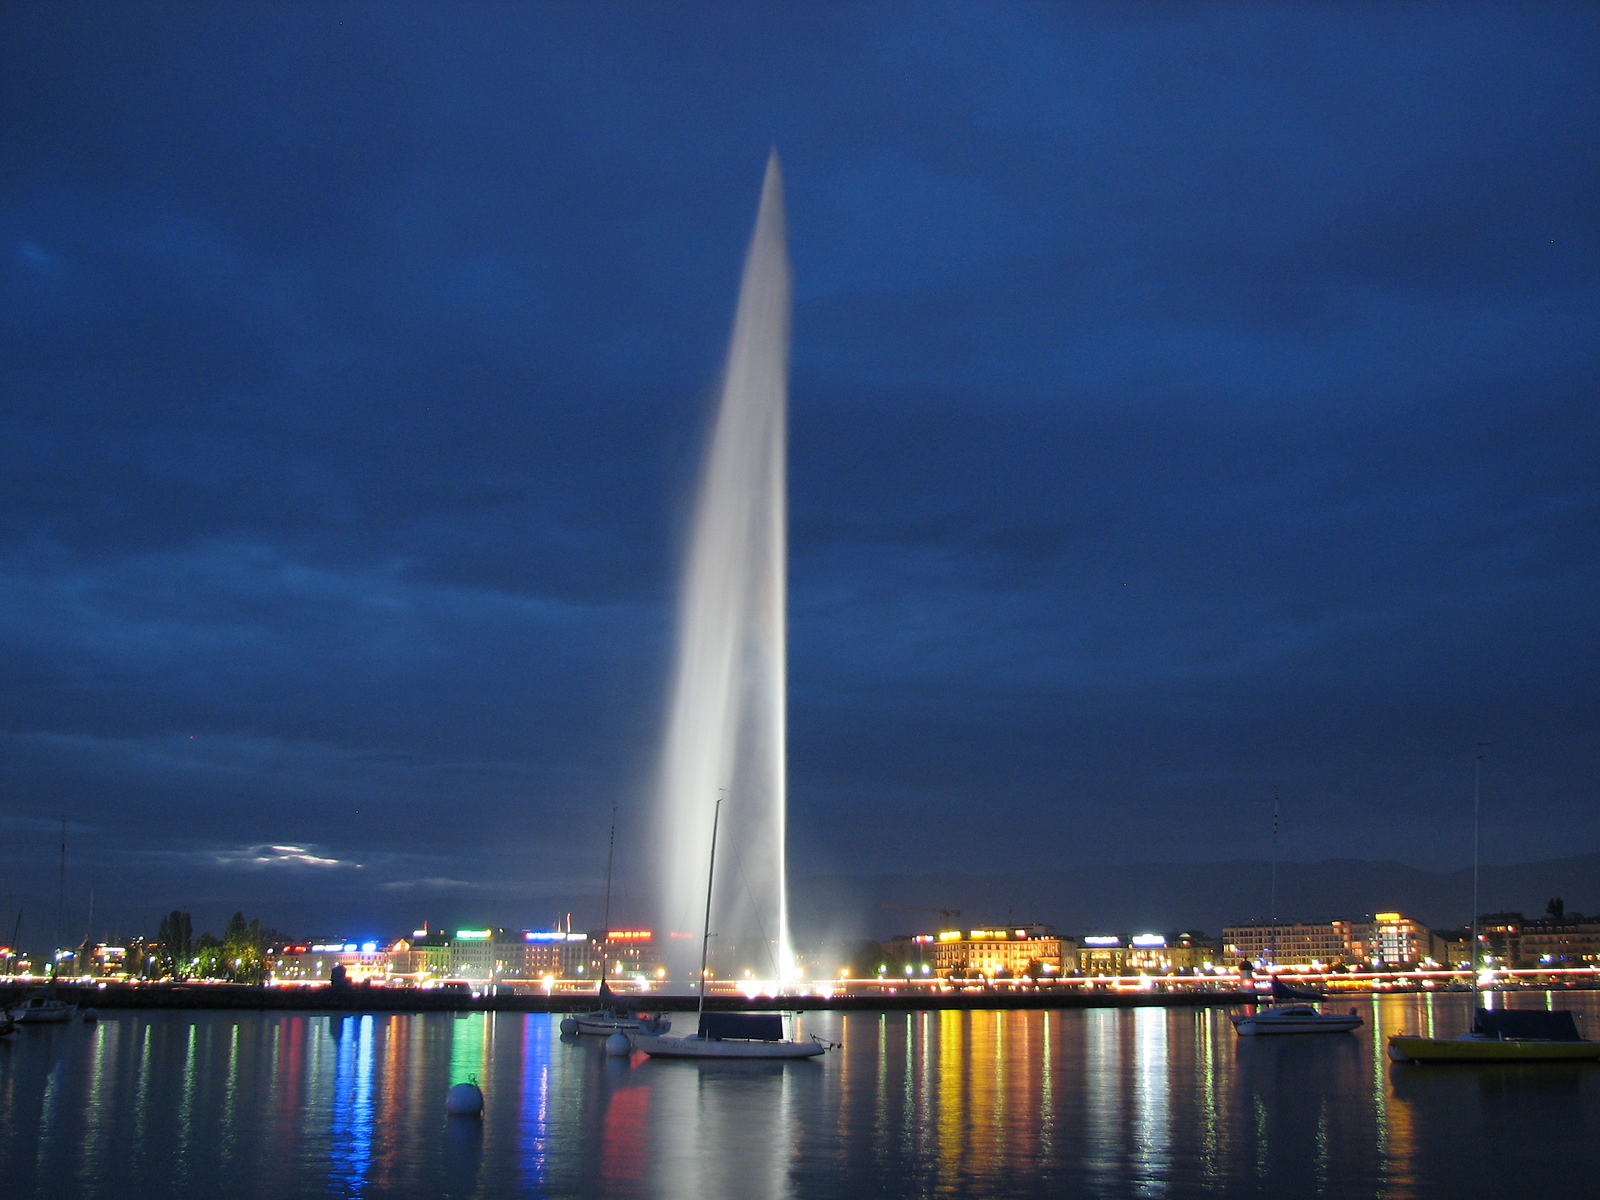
[(464, 1100), (569, 1025), (618, 1044)]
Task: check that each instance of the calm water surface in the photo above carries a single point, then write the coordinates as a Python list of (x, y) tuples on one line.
[(1147, 1102)]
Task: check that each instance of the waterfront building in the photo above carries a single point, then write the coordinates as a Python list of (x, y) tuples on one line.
[(555, 953), (1122, 955), (1014, 951), (1559, 940), (1392, 940), (1289, 944), (478, 955), (1384, 939), (313, 962), (628, 954)]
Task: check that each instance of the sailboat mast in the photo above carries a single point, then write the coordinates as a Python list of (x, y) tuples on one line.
[(61, 900), (605, 933), (1477, 794), (711, 874), (1274, 875)]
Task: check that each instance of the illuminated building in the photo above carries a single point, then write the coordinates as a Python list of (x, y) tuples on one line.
[(1145, 954), (1559, 940), (556, 952), (1002, 951), (630, 953), (567, 955), (1295, 944), (1384, 939), (1390, 939), (313, 962), (471, 954), (99, 961)]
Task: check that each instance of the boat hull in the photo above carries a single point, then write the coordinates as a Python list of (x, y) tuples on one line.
[(605, 1024), (1293, 1018), (697, 1047), (1405, 1048), (42, 1016), (1261, 1026)]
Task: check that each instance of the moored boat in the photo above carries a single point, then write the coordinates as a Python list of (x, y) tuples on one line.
[(1294, 1018), (606, 1020), (41, 1008), (732, 1035), (727, 1035), (1503, 1035), (611, 1014)]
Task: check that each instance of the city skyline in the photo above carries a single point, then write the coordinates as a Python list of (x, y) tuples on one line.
[(1188, 408)]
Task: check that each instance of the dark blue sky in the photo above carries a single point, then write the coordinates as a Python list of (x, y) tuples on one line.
[(1188, 403)]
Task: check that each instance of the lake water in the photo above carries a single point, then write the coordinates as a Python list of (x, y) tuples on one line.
[(1105, 1102)]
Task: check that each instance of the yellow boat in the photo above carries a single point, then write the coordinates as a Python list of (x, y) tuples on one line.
[(1471, 1048), (1503, 1035)]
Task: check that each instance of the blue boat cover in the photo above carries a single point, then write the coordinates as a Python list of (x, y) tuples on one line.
[(1282, 991), (1555, 1026), (751, 1027)]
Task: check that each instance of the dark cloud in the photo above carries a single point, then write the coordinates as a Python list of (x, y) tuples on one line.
[(1186, 405)]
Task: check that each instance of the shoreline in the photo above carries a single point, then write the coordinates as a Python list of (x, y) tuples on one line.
[(243, 997)]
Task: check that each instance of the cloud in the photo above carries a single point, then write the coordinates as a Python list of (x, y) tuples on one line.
[(431, 885), (254, 857)]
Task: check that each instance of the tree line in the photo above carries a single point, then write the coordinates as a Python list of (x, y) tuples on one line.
[(238, 956)]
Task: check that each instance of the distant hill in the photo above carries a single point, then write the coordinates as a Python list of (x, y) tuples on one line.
[(1161, 897)]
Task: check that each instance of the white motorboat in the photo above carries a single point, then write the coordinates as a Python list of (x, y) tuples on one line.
[(732, 1035), (1294, 1018), (42, 1009)]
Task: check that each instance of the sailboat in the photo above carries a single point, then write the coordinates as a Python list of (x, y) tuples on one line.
[(1293, 1017), (611, 1015), (1291, 1009), (42, 1007), (1498, 1035), (727, 1035)]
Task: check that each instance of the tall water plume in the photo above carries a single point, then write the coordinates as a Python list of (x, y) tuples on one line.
[(725, 723)]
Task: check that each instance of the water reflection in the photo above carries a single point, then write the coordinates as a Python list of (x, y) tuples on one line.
[(1152, 1099), (350, 1134), (1147, 1102)]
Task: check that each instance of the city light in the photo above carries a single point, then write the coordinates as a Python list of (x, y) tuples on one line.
[(630, 935), (471, 935)]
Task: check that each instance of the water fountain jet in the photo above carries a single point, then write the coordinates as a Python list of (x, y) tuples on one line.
[(726, 712)]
